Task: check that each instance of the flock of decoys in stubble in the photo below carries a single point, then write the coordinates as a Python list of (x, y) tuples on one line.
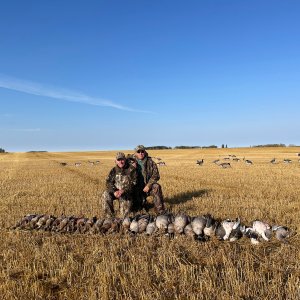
[(224, 162), (199, 228)]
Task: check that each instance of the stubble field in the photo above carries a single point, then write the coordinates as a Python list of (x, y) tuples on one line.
[(45, 265)]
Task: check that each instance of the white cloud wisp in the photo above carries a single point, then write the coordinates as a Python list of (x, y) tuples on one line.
[(60, 94)]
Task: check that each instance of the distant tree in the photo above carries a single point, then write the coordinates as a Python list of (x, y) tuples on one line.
[(226, 146), (222, 145), (157, 147), (2, 150), (270, 145)]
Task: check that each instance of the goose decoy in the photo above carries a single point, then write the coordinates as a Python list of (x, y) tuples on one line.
[(263, 229), (273, 161), (200, 162), (281, 233), (180, 221)]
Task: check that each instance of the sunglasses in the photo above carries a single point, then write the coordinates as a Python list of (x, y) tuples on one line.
[(119, 159), (140, 151)]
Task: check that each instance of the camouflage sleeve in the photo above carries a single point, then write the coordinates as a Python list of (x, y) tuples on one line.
[(154, 174), (110, 181)]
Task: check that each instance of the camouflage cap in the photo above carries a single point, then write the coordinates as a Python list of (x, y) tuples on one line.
[(120, 155), (139, 147)]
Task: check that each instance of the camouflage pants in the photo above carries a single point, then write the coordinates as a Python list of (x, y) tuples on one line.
[(155, 192), (107, 201)]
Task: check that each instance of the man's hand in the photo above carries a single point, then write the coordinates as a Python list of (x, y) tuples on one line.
[(146, 189), (118, 193)]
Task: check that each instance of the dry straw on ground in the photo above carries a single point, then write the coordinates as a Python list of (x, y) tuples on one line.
[(40, 265)]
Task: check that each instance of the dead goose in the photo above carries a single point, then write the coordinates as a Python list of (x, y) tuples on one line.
[(224, 229), (171, 230), (151, 227), (263, 229), (180, 221), (188, 231), (143, 222), (198, 224), (252, 235), (281, 233), (210, 226), (134, 225), (162, 222)]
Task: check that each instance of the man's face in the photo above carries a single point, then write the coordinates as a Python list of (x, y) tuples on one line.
[(120, 162), (140, 154)]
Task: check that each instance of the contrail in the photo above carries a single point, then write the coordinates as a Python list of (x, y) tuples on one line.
[(37, 89)]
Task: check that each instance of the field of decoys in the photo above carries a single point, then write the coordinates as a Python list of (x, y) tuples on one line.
[(230, 230)]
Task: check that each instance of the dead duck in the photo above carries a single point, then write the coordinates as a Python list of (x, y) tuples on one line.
[(106, 225), (49, 223), (263, 229), (40, 224), (126, 224), (115, 225), (97, 226), (33, 221), (281, 233), (24, 222), (180, 221)]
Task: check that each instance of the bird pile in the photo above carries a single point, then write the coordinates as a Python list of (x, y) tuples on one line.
[(200, 228)]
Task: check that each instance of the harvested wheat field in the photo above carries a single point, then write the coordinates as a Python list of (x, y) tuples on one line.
[(50, 265)]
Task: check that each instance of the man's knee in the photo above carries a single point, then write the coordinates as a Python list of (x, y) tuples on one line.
[(156, 188)]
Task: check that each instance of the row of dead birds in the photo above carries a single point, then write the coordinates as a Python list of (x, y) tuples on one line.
[(200, 228)]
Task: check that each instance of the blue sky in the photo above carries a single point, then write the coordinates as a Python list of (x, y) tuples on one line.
[(97, 75)]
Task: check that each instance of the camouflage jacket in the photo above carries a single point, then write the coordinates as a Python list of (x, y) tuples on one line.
[(150, 172), (124, 179)]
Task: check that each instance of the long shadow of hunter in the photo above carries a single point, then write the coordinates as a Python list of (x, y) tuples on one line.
[(187, 196)]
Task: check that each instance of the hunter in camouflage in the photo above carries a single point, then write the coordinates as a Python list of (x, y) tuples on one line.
[(147, 177), (119, 185)]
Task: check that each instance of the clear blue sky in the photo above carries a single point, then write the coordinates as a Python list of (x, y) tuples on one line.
[(96, 75)]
